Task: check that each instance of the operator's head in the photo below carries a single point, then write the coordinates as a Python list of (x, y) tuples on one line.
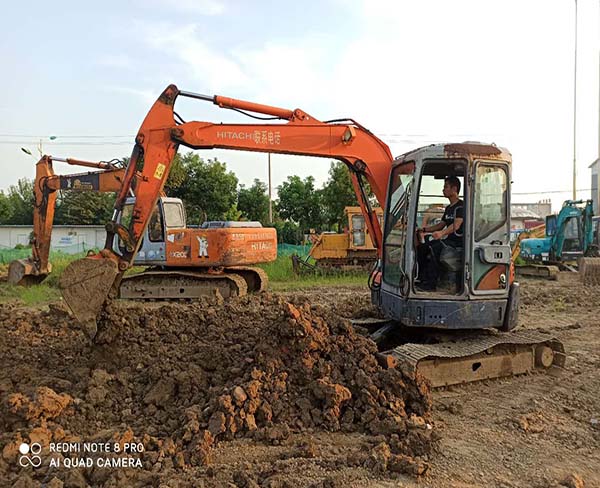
[(451, 186)]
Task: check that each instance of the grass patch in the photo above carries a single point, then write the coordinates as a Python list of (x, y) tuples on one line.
[(319, 281), (32, 295), (280, 272), (282, 277)]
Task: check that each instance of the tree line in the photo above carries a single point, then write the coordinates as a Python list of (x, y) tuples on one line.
[(210, 192)]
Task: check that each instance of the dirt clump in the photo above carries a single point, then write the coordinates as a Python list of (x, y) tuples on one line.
[(181, 379)]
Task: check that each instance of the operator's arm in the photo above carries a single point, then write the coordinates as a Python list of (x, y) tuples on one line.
[(433, 228), (448, 230)]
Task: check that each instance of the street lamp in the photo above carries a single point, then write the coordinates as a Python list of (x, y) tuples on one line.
[(39, 148), (575, 112)]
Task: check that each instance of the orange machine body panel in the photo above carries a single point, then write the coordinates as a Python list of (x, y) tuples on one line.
[(218, 247)]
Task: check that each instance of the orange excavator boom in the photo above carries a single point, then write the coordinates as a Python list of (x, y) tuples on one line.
[(85, 284)]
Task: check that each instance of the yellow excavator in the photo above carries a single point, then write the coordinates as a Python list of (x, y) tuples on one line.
[(548, 271), (453, 334), (350, 250)]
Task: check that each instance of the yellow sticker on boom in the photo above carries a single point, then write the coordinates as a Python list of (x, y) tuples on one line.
[(160, 171)]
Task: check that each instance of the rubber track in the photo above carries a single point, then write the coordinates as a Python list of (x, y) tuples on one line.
[(413, 353), (138, 279), (259, 273)]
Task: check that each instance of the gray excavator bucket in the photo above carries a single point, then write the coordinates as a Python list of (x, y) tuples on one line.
[(85, 285), (589, 271), (24, 272)]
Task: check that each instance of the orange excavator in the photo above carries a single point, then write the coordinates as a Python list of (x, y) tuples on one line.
[(482, 294), (224, 251), (34, 269)]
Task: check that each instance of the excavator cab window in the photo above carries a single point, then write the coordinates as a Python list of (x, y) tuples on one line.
[(155, 226), (397, 224), (358, 230), (550, 225), (174, 215), (572, 241), (491, 205), (431, 206)]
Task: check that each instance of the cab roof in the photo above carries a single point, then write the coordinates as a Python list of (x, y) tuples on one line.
[(469, 150)]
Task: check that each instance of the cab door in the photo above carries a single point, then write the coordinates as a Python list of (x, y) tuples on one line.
[(152, 248), (490, 231), (395, 279)]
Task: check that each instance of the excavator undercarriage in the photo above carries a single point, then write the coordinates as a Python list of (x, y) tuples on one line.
[(188, 284), (454, 357)]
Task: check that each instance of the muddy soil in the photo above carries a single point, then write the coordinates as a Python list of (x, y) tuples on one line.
[(182, 380), (277, 390)]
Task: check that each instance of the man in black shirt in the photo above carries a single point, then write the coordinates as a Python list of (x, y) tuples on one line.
[(448, 232)]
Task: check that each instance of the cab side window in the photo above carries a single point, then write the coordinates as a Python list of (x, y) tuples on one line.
[(155, 227)]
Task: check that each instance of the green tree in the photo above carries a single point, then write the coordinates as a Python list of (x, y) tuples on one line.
[(177, 172), (5, 209), (300, 202), (177, 175), (208, 189), (84, 208), (253, 202), (21, 201), (338, 193), (288, 232)]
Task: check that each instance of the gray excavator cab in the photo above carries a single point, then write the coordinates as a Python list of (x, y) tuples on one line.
[(169, 214), (475, 279)]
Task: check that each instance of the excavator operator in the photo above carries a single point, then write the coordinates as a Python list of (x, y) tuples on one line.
[(445, 245)]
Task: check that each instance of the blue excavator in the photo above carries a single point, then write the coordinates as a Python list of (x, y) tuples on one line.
[(569, 236)]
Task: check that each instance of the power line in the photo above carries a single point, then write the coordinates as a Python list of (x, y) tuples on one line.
[(549, 191), (83, 136), (74, 143)]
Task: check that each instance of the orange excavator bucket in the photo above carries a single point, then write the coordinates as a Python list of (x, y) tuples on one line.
[(85, 285)]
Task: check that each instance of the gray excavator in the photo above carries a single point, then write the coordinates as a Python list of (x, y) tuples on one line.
[(461, 331)]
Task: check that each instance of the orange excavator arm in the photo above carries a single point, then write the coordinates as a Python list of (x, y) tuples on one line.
[(34, 269), (160, 136), (86, 284)]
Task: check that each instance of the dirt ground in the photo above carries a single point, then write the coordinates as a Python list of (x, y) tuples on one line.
[(277, 391)]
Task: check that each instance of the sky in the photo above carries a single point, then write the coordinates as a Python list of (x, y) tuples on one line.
[(413, 72)]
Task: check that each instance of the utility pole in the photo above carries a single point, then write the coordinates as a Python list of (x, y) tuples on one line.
[(597, 209), (270, 199), (575, 113)]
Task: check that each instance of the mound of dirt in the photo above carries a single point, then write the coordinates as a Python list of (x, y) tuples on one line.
[(179, 379)]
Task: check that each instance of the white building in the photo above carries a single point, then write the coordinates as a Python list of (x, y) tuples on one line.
[(70, 239), (519, 215)]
